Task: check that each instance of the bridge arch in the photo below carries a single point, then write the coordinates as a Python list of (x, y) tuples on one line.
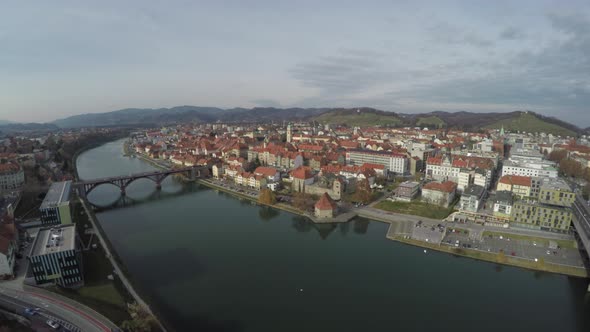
[(90, 188)]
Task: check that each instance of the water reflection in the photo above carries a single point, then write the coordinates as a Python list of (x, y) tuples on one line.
[(301, 224), (344, 228), (267, 213), (304, 225), (103, 204), (361, 225)]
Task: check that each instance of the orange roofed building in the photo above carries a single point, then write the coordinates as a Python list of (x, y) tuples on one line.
[(325, 207), (518, 185)]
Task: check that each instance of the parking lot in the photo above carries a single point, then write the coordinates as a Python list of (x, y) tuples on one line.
[(428, 233), (512, 247)]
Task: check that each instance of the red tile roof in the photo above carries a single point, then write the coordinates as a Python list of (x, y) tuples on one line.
[(434, 161), (325, 203), (266, 171), (372, 166), (302, 173), (448, 186), (516, 180)]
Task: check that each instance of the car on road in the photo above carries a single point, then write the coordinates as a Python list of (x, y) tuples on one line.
[(53, 324), (31, 311)]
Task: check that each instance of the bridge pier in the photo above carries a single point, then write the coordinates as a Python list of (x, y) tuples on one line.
[(158, 186), (123, 193)]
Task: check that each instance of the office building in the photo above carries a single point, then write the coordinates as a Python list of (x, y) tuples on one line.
[(393, 162), (55, 208), (55, 258)]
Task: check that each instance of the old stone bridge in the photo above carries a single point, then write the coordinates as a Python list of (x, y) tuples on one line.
[(192, 173)]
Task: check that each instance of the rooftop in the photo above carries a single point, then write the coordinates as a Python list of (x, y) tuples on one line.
[(58, 193), (54, 239), (516, 180), (447, 186), (543, 164), (555, 184), (325, 203), (504, 196), (474, 190), (409, 184), (534, 202)]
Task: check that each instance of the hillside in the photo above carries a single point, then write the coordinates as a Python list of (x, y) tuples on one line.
[(359, 117), (9, 129), (430, 121), (141, 116), (531, 122), (186, 114), (523, 121)]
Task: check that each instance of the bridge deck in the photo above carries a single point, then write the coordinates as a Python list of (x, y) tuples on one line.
[(139, 175), (581, 221)]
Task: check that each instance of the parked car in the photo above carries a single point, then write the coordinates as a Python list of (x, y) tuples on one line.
[(53, 324)]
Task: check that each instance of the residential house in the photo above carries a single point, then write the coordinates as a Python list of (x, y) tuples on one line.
[(519, 185)]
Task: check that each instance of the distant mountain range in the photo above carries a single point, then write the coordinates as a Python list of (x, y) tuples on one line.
[(10, 128), (519, 120), (187, 114), (513, 121)]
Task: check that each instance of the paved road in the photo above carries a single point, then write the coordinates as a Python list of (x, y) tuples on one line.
[(70, 316)]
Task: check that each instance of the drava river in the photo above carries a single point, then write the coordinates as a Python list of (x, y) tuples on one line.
[(207, 261)]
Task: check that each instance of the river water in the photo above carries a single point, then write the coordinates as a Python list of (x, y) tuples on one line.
[(207, 261)]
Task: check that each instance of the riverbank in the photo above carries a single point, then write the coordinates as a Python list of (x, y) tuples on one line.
[(403, 224), (111, 255)]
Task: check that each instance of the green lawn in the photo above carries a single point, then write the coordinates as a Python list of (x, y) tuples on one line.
[(539, 240), (101, 294), (415, 208)]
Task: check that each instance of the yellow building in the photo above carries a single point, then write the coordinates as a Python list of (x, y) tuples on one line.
[(518, 185)]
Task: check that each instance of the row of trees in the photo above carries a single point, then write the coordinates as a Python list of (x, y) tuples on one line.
[(568, 166), (304, 202)]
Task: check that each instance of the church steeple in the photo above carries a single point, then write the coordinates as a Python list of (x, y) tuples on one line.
[(502, 131)]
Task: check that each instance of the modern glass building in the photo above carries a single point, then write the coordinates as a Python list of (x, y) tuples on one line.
[(55, 208), (55, 258)]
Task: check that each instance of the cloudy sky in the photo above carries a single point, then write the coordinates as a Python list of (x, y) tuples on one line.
[(59, 58)]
